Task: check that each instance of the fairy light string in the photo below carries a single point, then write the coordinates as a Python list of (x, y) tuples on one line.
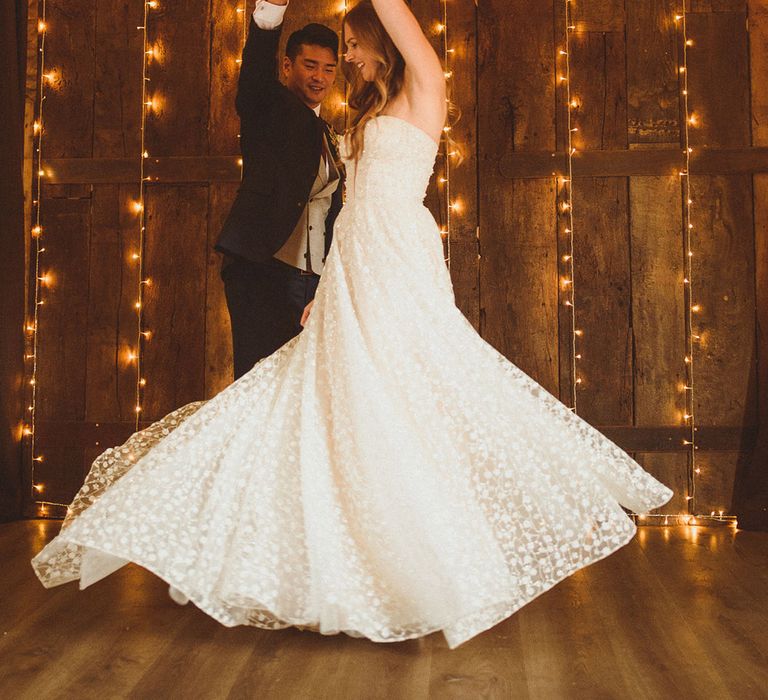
[(689, 120), (451, 206), (567, 280), (40, 280), (147, 105)]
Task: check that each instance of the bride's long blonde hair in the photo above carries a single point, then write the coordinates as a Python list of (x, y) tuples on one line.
[(368, 99)]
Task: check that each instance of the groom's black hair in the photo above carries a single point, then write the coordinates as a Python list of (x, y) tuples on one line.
[(315, 35)]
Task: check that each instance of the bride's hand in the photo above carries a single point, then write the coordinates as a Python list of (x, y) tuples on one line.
[(306, 313)]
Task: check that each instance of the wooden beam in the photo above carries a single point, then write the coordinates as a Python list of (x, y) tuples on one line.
[(530, 164)]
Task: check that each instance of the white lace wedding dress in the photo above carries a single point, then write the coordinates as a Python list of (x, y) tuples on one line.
[(386, 473)]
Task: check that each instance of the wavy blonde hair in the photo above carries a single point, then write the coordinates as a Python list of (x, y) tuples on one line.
[(369, 99)]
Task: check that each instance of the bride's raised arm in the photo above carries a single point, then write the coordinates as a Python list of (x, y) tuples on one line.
[(421, 61)]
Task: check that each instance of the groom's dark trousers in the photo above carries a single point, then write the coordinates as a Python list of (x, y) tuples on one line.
[(265, 300), (281, 140)]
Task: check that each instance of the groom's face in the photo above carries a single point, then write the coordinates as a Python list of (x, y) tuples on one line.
[(310, 75)]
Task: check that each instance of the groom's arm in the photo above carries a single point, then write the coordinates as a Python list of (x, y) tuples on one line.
[(258, 68)]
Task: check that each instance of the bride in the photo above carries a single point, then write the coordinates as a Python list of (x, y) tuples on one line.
[(386, 473)]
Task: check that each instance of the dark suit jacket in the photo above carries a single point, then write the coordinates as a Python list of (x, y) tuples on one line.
[(281, 143)]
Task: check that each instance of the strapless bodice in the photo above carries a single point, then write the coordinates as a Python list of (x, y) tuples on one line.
[(396, 163)]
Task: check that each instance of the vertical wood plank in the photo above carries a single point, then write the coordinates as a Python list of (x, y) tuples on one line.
[(179, 34), (518, 274), (724, 356), (218, 330), (658, 328), (226, 47), (62, 331), (751, 494), (69, 59), (652, 80), (117, 79), (518, 245), (598, 82), (174, 310), (113, 279), (718, 79), (461, 36), (602, 286)]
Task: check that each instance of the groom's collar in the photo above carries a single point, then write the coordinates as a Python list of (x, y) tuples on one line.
[(316, 110)]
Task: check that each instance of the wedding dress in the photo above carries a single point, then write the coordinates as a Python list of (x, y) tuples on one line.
[(386, 473)]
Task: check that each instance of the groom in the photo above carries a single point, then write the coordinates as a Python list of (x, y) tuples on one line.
[(278, 232)]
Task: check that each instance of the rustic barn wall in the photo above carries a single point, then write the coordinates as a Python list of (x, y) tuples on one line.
[(507, 238)]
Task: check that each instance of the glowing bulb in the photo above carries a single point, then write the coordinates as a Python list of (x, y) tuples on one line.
[(41, 27), (38, 488), (38, 459), (145, 154), (138, 207), (689, 42), (137, 409), (578, 332), (152, 3), (695, 308), (36, 231), (36, 127), (239, 161), (682, 69), (138, 304), (142, 382), (439, 27)]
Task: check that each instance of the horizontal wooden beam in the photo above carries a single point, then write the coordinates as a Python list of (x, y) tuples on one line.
[(79, 435), (535, 164)]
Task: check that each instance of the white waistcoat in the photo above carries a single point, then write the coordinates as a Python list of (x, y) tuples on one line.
[(305, 247)]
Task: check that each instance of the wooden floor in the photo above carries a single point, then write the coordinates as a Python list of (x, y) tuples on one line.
[(679, 613)]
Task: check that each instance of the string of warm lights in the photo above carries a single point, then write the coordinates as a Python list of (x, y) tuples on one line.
[(451, 205), (242, 11), (684, 518), (147, 105), (689, 120), (343, 9), (40, 279), (567, 279)]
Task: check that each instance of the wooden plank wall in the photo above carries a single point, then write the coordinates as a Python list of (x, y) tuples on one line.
[(507, 240)]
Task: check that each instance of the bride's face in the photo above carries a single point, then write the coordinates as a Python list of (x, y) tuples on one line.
[(357, 55)]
